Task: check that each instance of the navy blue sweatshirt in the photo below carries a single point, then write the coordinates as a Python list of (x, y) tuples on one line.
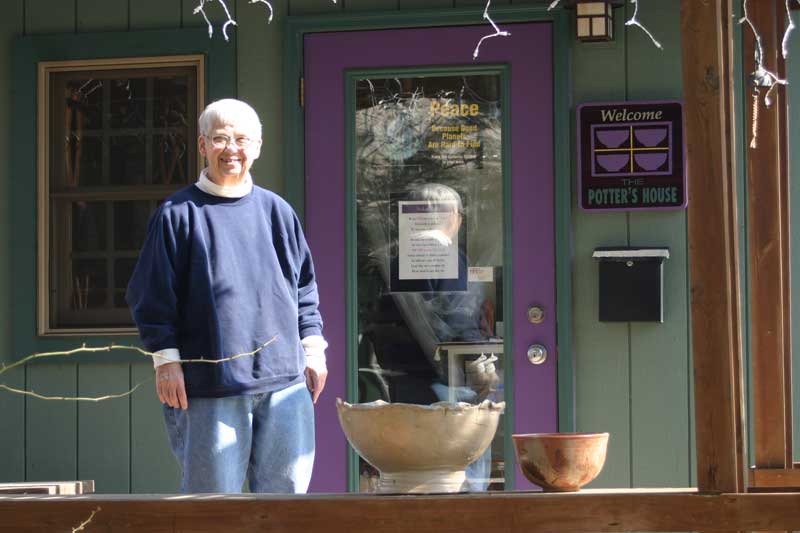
[(220, 276)]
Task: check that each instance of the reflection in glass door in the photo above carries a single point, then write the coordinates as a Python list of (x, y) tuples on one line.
[(429, 224)]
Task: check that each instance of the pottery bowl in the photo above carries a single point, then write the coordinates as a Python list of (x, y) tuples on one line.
[(561, 462), (400, 439)]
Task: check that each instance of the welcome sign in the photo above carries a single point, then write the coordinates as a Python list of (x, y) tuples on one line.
[(631, 156)]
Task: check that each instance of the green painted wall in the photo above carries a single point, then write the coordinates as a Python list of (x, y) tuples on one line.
[(632, 380)]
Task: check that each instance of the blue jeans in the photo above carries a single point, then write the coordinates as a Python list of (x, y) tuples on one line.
[(267, 438)]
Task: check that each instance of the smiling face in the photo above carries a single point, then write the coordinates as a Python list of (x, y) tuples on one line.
[(228, 163)]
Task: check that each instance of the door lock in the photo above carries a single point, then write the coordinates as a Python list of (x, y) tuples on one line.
[(535, 315), (537, 354)]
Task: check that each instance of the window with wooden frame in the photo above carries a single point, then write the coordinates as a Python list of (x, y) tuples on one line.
[(115, 138)]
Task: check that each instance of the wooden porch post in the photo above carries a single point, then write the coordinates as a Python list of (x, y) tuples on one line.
[(767, 204), (707, 44)]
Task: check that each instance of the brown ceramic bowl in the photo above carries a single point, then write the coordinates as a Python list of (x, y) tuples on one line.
[(561, 462)]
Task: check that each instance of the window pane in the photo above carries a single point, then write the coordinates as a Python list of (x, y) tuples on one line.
[(170, 158), (127, 160), (89, 283), (170, 98), (88, 226), (130, 224), (429, 200), (120, 141), (128, 102), (83, 158), (84, 105)]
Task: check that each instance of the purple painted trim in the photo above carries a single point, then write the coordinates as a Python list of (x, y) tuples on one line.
[(580, 159), (529, 52)]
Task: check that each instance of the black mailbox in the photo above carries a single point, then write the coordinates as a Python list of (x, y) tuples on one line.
[(631, 284)]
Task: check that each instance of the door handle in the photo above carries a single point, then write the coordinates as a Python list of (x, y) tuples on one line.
[(537, 354)]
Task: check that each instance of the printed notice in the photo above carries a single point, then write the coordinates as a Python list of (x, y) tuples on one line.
[(428, 240)]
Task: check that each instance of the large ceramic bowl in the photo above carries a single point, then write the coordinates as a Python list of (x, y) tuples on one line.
[(561, 462), (419, 448)]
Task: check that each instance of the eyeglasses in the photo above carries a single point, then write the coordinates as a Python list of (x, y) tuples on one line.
[(222, 141)]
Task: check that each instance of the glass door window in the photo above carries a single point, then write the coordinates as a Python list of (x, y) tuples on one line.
[(429, 247)]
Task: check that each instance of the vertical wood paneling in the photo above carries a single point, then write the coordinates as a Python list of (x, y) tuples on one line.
[(371, 5), (424, 4), (47, 16), (313, 7), (12, 427), (260, 64), (108, 15), (104, 427), (12, 406), (602, 361), (51, 426), (149, 14), (154, 469), (660, 352), (480, 3)]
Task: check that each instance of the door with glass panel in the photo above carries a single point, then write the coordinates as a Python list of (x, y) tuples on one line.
[(429, 210)]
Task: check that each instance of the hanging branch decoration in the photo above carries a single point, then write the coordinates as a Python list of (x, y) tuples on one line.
[(497, 31), (789, 28), (271, 11), (201, 8), (85, 349), (761, 76), (634, 21)]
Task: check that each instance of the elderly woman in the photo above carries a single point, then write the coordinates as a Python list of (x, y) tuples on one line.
[(224, 269)]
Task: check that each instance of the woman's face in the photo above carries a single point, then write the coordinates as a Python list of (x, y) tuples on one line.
[(230, 152)]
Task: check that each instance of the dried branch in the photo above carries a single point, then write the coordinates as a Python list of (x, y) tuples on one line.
[(634, 21), (84, 348), (762, 76), (83, 524), (32, 394), (497, 31), (271, 11)]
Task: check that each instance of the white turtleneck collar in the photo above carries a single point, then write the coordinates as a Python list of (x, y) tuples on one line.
[(226, 191)]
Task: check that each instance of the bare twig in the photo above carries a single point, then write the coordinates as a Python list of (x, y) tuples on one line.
[(634, 21), (87, 349), (271, 11), (83, 524), (32, 394), (84, 348), (497, 31), (762, 77)]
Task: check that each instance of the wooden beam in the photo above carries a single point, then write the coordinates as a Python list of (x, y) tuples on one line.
[(586, 511), (707, 45), (768, 243), (775, 478)]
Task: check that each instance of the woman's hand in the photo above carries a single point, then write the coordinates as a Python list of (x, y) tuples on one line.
[(170, 386)]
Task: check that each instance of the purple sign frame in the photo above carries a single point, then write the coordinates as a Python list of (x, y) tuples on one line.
[(631, 156)]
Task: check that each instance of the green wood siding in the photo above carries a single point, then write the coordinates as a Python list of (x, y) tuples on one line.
[(12, 407), (151, 14), (660, 440), (602, 350), (104, 427), (631, 380)]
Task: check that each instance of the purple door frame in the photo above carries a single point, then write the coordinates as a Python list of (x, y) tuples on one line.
[(529, 54)]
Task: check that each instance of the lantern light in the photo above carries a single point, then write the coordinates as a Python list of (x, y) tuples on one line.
[(594, 20)]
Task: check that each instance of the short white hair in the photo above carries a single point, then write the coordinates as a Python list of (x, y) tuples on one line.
[(229, 112)]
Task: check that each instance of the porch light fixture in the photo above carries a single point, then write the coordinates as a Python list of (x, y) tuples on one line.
[(594, 21)]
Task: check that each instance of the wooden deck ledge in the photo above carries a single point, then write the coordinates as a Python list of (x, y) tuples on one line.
[(586, 511)]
